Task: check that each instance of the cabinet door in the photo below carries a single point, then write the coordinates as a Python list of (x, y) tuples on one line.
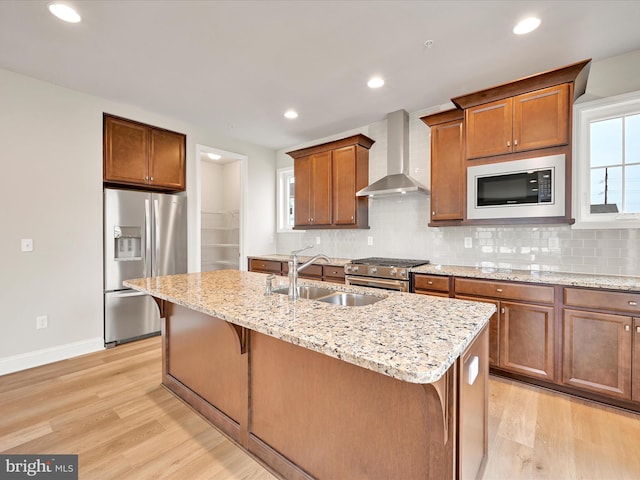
[(302, 169), (321, 189), (167, 159), (541, 118), (447, 171), (635, 368), (597, 352), (344, 185), (527, 339), (494, 329), (125, 151), (489, 129)]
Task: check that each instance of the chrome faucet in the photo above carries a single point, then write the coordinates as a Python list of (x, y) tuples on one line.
[(294, 269)]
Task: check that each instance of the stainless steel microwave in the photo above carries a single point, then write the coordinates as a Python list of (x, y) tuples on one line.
[(533, 187)]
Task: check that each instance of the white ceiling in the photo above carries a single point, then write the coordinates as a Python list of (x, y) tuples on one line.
[(236, 66)]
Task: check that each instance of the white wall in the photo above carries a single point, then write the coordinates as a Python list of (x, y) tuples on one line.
[(51, 156), (399, 224)]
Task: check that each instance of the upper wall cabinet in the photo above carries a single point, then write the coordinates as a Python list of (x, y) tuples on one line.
[(447, 166), (327, 178), (529, 121), (139, 155), (529, 114)]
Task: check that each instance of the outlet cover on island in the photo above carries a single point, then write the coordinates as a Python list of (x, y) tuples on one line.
[(369, 240)]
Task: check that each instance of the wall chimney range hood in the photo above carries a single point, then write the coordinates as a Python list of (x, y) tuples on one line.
[(397, 181)]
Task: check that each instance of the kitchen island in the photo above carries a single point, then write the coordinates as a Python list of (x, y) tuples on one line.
[(394, 389)]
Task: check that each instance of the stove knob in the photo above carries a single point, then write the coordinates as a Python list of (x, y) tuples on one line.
[(393, 272), (403, 272), (373, 270)]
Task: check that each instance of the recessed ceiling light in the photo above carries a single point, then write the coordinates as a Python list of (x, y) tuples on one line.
[(214, 156), (375, 82), (527, 25), (291, 114), (64, 12)]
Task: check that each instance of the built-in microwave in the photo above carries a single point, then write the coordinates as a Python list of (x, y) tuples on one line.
[(533, 187)]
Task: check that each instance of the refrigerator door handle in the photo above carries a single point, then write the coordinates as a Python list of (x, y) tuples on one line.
[(147, 240), (156, 224), (129, 294)]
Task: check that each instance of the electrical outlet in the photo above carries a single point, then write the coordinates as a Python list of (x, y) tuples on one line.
[(369, 240), (318, 241), (468, 242), (26, 245), (42, 321)]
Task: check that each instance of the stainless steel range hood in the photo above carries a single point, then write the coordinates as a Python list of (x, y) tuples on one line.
[(397, 181)]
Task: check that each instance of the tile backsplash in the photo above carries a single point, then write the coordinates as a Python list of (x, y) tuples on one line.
[(399, 229)]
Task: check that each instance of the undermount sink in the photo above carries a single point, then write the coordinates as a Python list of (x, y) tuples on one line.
[(327, 295), (350, 299), (307, 291)]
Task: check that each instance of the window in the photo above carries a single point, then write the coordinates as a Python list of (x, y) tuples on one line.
[(286, 184), (607, 163)]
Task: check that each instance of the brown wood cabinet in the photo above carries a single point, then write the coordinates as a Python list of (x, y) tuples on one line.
[(315, 271), (265, 266), (333, 273), (435, 285), (601, 347), (597, 352), (530, 121), (327, 178), (525, 329), (139, 155), (448, 178)]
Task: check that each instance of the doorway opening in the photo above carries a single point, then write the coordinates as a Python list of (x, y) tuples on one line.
[(222, 177)]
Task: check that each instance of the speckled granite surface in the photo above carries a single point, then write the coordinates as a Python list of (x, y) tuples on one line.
[(414, 338), (301, 259), (557, 278)]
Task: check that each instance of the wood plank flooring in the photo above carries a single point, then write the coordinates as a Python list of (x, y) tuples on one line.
[(110, 409)]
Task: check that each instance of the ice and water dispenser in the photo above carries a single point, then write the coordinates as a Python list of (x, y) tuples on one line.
[(128, 243)]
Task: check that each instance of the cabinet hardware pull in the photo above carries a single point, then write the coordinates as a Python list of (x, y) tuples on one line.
[(152, 179), (515, 143), (638, 329), (502, 310), (433, 213), (632, 303), (499, 290), (626, 328), (146, 177), (508, 143), (429, 282)]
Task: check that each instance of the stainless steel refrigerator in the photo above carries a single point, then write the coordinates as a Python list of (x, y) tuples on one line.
[(145, 235)]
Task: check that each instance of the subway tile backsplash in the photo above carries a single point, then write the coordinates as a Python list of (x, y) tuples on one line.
[(399, 229)]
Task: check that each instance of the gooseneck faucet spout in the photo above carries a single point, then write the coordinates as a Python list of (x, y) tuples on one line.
[(294, 269)]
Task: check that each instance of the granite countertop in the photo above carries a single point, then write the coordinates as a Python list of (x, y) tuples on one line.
[(413, 338), (276, 257), (557, 278)]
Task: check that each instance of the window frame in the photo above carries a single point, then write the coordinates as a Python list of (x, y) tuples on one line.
[(283, 175), (584, 114)]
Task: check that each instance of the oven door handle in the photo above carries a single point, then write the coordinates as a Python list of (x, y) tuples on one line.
[(398, 285)]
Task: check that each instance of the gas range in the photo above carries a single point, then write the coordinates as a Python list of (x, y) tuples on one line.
[(377, 272)]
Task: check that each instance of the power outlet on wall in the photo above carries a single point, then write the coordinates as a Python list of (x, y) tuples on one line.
[(42, 321), (468, 242), (318, 241), (369, 240)]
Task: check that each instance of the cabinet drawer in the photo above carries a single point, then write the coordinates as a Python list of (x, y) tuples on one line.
[(270, 266), (507, 290), (312, 271), (333, 272), (431, 282), (602, 300)]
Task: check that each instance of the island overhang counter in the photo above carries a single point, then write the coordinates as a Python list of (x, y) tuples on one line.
[(395, 389)]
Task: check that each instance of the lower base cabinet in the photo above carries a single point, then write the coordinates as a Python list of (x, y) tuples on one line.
[(494, 329), (527, 339), (597, 353)]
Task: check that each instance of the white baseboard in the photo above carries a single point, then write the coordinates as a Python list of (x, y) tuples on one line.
[(36, 358)]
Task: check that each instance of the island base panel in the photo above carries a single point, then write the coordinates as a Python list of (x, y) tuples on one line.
[(338, 420)]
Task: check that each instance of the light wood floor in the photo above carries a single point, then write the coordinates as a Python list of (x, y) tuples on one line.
[(110, 409)]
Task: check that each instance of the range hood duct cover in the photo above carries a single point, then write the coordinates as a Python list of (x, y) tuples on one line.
[(397, 181)]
